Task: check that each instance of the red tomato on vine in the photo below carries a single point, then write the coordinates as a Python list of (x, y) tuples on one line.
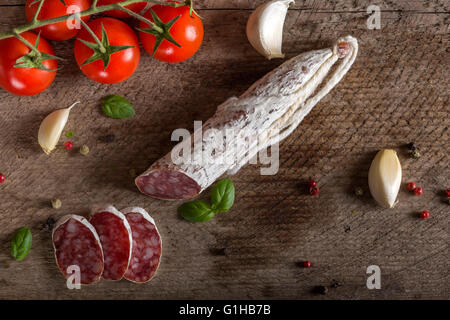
[(119, 57), (135, 7), (22, 72), (177, 36), (55, 8)]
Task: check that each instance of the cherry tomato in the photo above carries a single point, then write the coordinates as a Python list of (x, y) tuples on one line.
[(136, 7), (187, 32), (24, 81), (122, 64), (55, 8)]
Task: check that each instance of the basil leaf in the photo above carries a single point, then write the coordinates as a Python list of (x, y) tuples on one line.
[(196, 211), (222, 195), (117, 107), (21, 243), (69, 134)]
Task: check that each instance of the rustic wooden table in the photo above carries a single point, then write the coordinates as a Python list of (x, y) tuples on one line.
[(396, 92)]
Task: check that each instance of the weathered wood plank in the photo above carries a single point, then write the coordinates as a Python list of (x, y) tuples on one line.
[(335, 6), (396, 92)]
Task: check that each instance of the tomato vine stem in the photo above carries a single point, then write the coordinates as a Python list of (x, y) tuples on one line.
[(92, 33), (94, 9), (139, 17), (36, 14), (27, 43)]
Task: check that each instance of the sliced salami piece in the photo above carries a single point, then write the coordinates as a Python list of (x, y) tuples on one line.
[(147, 249), (115, 236), (76, 243)]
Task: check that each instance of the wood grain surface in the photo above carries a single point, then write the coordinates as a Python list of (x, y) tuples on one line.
[(396, 92)]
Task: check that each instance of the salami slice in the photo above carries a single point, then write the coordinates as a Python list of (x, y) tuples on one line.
[(268, 112), (115, 236), (147, 249), (76, 243)]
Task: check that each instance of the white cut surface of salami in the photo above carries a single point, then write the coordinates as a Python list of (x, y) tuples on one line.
[(76, 243), (115, 236), (147, 245)]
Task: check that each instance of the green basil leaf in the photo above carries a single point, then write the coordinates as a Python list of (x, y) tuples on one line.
[(69, 134), (21, 243), (222, 195), (117, 107), (196, 211)]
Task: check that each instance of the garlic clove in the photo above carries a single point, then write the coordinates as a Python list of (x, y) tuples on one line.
[(52, 127), (385, 177), (265, 28)]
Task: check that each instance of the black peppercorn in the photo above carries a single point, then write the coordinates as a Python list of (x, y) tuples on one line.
[(320, 290), (49, 223), (412, 146)]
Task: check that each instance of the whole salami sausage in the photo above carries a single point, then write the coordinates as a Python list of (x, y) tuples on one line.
[(147, 248), (115, 236), (267, 113), (76, 243)]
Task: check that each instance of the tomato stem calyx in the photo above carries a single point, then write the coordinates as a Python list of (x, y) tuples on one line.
[(163, 33), (35, 58), (102, 49)]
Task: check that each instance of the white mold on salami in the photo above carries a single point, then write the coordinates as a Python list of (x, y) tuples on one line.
[(147, 245), (116, 239), (76, 242), (269, 111)]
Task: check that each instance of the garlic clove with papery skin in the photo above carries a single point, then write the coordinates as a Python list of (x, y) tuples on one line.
[(265, 28), (52, 127), (385, 177)]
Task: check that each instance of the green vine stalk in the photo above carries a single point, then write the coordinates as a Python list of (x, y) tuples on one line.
[(94, 9)]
